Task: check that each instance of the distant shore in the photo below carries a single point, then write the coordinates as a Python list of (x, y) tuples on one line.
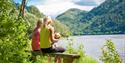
[(97, 34)]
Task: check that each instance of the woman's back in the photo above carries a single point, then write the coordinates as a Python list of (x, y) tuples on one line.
[(45, 41), (36, 39)]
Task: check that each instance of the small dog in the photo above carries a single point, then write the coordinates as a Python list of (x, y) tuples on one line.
[(56, 36)]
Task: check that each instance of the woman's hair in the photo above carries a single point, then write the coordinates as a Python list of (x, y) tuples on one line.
[(47, 20), (39, 22)]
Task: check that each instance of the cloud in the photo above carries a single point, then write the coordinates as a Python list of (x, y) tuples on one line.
[(55, 9), (88, 2), (85, 2), (78, 2), (99, 1)]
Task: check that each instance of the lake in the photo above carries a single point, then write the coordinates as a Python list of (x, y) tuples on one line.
[(94, 43)]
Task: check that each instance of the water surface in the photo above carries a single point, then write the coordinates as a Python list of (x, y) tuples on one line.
[(94, 43)]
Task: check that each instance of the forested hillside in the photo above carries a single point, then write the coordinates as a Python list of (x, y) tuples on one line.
[(33, 14), (107, 18), (71, 18)]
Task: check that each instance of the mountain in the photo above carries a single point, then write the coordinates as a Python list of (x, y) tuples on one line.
[(109, 6), (71, 18), (107, 18)]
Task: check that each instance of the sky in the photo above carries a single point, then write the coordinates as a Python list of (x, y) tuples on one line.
[(55, 7)]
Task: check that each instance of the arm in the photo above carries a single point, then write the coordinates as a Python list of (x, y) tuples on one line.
[(52, 35)]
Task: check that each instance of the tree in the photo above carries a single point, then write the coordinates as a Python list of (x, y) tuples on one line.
[(22, 8), (12, 33)]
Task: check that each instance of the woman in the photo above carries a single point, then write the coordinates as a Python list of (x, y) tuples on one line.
[(36, 37), (47, 38)]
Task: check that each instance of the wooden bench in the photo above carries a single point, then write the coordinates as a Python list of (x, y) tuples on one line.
[(67, 58)]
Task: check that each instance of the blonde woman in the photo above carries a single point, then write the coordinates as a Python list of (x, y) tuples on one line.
[(47, 38)]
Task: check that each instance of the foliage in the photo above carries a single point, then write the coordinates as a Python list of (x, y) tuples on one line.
[(31, 20), (12, 33), (107, 18), (103, 25), (13, 45), (71, 18), (34, 10), (110, 54), (83, 57), (32, 14), (61, 28)]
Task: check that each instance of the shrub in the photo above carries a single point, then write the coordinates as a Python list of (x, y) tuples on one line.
[(13, 35), (110, 54)]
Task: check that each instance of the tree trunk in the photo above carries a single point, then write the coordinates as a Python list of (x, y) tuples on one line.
[(22, 8)]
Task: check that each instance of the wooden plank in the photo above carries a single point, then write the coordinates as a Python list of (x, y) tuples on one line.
[(65, 55), (54, 54), (67, 58)]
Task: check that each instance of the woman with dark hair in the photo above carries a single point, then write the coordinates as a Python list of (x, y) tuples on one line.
[(36, 36)]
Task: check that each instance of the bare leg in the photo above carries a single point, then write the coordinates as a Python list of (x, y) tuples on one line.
[(58, 59)]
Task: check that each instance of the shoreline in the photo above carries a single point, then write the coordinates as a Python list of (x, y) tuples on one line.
[(96, 34)]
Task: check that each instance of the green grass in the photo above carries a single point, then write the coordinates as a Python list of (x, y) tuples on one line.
[(86, 59)]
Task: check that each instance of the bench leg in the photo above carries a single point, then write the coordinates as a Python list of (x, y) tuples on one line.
[(68, 60), (49, 59)]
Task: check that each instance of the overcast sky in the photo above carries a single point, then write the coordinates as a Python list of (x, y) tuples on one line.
[(55, 7)]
